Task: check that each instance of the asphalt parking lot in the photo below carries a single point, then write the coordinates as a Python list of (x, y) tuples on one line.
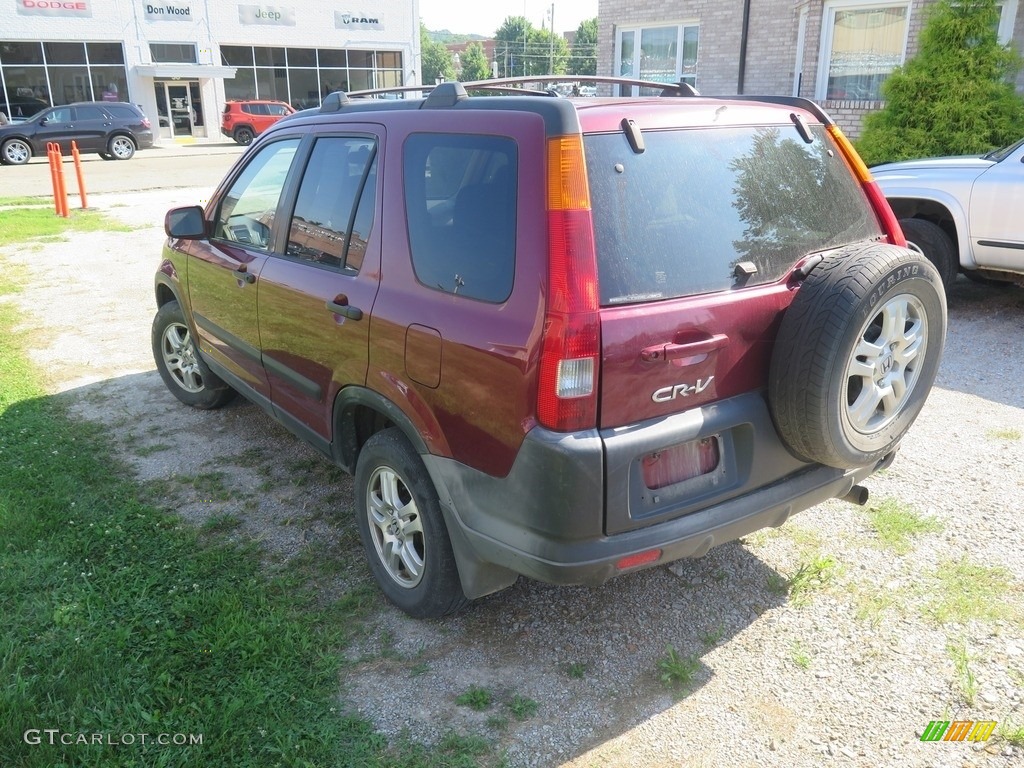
[(199, 164)]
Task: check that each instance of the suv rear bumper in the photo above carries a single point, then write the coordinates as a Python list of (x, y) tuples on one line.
[(547, 519)]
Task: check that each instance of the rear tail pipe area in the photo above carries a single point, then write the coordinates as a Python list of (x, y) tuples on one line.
[(857, 495)]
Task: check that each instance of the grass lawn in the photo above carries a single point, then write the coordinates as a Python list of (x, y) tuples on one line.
[(123, 627)]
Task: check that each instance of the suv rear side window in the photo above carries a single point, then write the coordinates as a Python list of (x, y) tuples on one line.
[(678, 218), (124, 113), (460, 197), (325, 226), (246, 213)]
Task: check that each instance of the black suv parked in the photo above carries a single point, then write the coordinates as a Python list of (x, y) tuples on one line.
[(562, 338), (114, 130)]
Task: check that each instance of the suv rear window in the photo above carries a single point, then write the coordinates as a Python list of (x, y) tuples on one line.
[(125, 113), (676, 219), (460, 197)]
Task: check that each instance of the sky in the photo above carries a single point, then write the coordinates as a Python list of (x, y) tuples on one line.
[(483, 17)]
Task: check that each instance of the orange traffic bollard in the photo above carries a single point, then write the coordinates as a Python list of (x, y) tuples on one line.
[(62, 190), (78, 174), (51, 155)]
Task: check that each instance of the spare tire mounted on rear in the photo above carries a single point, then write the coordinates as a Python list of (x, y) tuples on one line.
[(856, 354)]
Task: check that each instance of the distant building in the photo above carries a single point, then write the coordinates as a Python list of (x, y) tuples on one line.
[(837, 52)]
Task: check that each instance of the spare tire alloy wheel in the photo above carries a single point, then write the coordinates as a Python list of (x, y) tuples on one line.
[(403, 529), (856, 355)]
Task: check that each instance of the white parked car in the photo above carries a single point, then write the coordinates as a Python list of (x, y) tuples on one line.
[(965, 213)]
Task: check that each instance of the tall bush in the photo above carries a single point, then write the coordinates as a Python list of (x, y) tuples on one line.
[(956, 96)]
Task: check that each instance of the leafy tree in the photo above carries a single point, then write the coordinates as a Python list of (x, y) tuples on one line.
[(436, 60), (510, 50), (522, 49), (474, 63), (584, 49), (956, 96)]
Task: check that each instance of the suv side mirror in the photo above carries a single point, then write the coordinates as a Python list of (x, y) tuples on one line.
[(186, 223)]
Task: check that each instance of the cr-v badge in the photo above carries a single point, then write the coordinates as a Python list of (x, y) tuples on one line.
[(665, 394)]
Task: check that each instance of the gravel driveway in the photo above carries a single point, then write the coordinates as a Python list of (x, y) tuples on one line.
[(813, 644)]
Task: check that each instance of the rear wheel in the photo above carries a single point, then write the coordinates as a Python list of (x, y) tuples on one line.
[(180, 366), (936, 245), (243, 136), (15, 152), (856, 355), (403, 530), (121, 147)]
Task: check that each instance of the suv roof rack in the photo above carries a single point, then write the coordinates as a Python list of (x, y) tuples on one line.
[(509, 85)]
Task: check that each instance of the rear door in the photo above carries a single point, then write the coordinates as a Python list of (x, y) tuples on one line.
[(696, 238), (317, 291), (90, 128)]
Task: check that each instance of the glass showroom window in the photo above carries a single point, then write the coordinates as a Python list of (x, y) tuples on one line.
[(862, 45), (662, 54)]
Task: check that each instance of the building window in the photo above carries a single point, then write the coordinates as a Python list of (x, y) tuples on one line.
[(173, 53), (861, 44), (1007, 18), (40, 75), (665, 54), (303, 76)]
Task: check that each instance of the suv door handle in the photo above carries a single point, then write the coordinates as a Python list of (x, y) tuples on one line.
[(340, 306), (666, 352), (243, 274)]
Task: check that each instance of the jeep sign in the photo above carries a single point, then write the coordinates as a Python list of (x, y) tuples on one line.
[(78, 8), (266, 14)]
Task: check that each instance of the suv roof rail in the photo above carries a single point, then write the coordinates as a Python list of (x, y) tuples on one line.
[(508, 85), (789, 101)]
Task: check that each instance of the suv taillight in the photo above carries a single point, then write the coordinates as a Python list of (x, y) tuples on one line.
[(571, 347), (886, 218)]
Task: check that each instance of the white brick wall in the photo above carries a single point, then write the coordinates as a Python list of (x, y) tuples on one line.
[(211, 23)]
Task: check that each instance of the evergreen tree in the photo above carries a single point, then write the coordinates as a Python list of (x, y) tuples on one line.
[(956, 96)]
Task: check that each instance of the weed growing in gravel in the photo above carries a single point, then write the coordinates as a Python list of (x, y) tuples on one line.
[(677, 671), (799, 655), (419, 668), (1012, 733), (1004, 434), (497, 722), (966, 591), (221, 523), (576, 670), (475, 698), (896, 524), (809, 577), (710, 639), (957, 651), (872, 604), (148, 450), (209, 485), (522, 708)]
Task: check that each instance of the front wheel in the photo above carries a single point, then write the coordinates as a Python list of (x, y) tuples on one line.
[(403, 530), (15, 152), (180, 366), (856, 355)]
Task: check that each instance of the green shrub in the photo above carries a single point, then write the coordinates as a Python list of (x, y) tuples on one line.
[(955, 97)]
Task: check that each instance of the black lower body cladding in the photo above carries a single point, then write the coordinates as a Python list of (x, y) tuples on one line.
[(857, 353)]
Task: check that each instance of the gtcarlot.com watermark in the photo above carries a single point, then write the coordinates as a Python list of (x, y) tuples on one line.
[(55, 736)]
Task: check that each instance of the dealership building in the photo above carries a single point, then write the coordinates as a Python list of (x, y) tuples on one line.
[(181, 60)]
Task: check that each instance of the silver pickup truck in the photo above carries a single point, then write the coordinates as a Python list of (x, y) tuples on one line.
[(965, 213)]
